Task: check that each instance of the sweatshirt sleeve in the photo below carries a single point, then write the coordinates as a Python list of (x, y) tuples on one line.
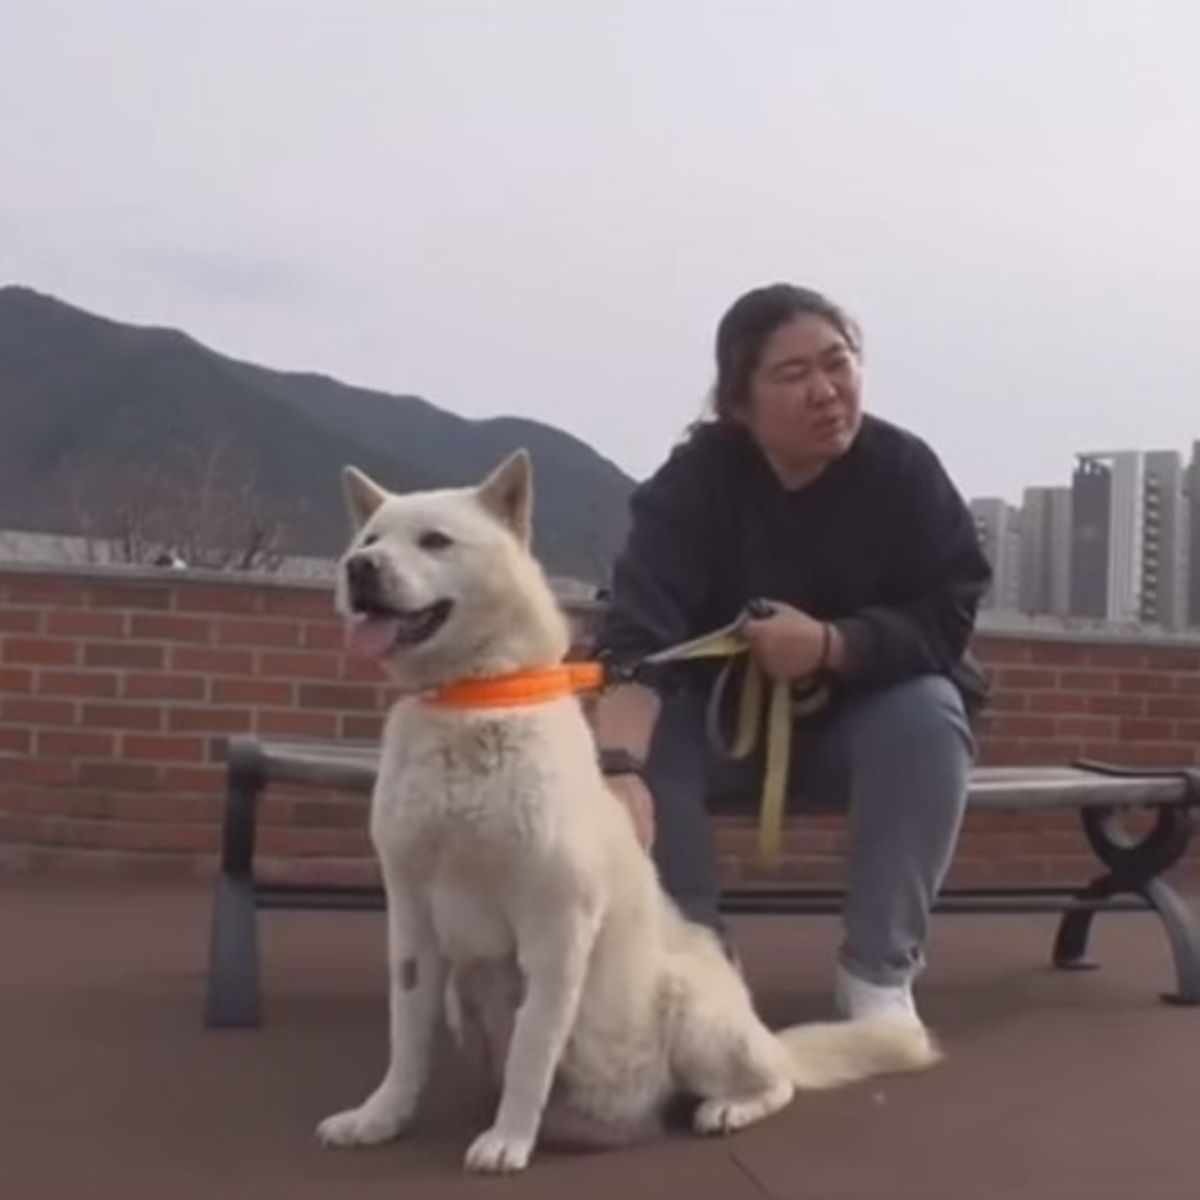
[(665, 571), (938, 584)]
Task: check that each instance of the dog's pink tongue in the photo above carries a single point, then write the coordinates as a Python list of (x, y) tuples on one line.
[(371, 637)]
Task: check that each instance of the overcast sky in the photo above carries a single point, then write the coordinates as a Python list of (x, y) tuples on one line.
[(543, 208)]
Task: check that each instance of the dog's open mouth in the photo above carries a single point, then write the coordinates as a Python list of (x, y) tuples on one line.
[(375, 631)]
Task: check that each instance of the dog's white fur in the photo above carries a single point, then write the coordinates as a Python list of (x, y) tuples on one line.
[(509, 864)]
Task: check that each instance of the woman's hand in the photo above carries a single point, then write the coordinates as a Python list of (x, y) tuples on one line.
[(633, 793), (789, 644)]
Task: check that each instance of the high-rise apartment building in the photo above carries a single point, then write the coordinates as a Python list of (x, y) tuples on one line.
[(1191, 539), (997, 525), (1045, 551), (1091, 538), (1128, 551), (1164, 544)]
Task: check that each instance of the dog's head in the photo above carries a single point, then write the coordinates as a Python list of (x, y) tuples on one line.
[(442, 584)]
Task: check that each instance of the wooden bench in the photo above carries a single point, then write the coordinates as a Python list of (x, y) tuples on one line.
[(1132, 874)]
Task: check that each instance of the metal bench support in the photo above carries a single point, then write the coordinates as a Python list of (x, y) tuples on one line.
[(233, 1000), (1137, 867)]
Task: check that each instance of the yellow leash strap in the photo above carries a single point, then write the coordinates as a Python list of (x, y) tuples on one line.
[(783, 708)]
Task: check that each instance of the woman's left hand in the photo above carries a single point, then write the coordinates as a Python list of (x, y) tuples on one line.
[(789, 644)]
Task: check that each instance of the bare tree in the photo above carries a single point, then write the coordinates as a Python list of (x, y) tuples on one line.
[(203, 506)]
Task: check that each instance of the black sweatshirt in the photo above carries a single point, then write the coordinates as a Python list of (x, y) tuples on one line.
[(880, 543)]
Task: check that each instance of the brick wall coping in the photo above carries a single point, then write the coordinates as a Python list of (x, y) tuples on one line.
[(991, 625), (172, 577), (125, 573), (1053, 629)]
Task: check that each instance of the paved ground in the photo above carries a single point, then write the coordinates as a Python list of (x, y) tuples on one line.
[(1056, 1085)]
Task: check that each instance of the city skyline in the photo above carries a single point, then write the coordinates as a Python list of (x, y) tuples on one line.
[(1118, 542)]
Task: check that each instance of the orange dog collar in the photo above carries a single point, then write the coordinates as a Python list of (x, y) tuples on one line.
[(519, 688)]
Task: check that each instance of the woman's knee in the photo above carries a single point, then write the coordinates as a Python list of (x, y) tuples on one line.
[(910, 753), (925, 713)]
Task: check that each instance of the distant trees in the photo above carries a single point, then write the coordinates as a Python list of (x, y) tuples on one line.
[(204, 508)]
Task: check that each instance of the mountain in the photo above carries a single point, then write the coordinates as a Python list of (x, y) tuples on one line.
[(100, 418)]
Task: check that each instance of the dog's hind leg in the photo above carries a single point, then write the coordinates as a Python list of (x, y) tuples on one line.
[(725, 1056), (724, 1114), (415, 995)]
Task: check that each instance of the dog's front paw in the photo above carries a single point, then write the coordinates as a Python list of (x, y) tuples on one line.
[(368, 1125), (497, 1152)]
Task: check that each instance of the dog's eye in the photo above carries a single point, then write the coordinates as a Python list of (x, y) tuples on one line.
[(433, 539), (370, 539)]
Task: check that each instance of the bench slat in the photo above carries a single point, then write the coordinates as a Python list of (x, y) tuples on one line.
[(351, 766)]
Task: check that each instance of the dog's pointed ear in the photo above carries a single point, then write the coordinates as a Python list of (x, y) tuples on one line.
[(363, 495), (507, 493)]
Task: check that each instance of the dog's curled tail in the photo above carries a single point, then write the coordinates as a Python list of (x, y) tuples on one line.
[(829, 1054)]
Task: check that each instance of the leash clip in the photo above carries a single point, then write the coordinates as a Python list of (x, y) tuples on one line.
[(615, 673)]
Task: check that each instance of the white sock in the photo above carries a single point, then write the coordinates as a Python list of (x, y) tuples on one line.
[(857, 998)]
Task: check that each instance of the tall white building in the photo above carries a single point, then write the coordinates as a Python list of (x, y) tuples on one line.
[(1191, 538), (1164, 541), (1045, 556), (998, 527)]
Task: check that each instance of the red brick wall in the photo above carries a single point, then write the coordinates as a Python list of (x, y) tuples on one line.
[(117, 690)]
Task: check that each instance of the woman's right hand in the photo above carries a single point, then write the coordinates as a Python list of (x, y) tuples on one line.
[(632, 792)]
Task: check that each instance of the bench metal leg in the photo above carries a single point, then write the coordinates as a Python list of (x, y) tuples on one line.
[(1136, 867), (1075, 927), (1181, 932), (233, 1000)]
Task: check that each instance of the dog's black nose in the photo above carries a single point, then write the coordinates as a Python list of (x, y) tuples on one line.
[(362, 578)]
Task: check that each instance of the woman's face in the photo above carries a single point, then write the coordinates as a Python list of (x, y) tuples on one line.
[(804, 405)]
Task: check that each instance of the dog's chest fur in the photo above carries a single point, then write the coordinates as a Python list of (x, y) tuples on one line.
[(469, 804), (452, 782)]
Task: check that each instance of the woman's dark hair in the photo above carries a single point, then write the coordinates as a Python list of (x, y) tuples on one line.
[(750, 321)]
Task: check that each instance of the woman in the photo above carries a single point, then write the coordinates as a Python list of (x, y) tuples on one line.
[(852, 530)]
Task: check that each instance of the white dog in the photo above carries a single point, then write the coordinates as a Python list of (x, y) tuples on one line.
[(511, 866)]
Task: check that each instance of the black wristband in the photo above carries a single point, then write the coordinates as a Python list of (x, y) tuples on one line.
[(619, 762)]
